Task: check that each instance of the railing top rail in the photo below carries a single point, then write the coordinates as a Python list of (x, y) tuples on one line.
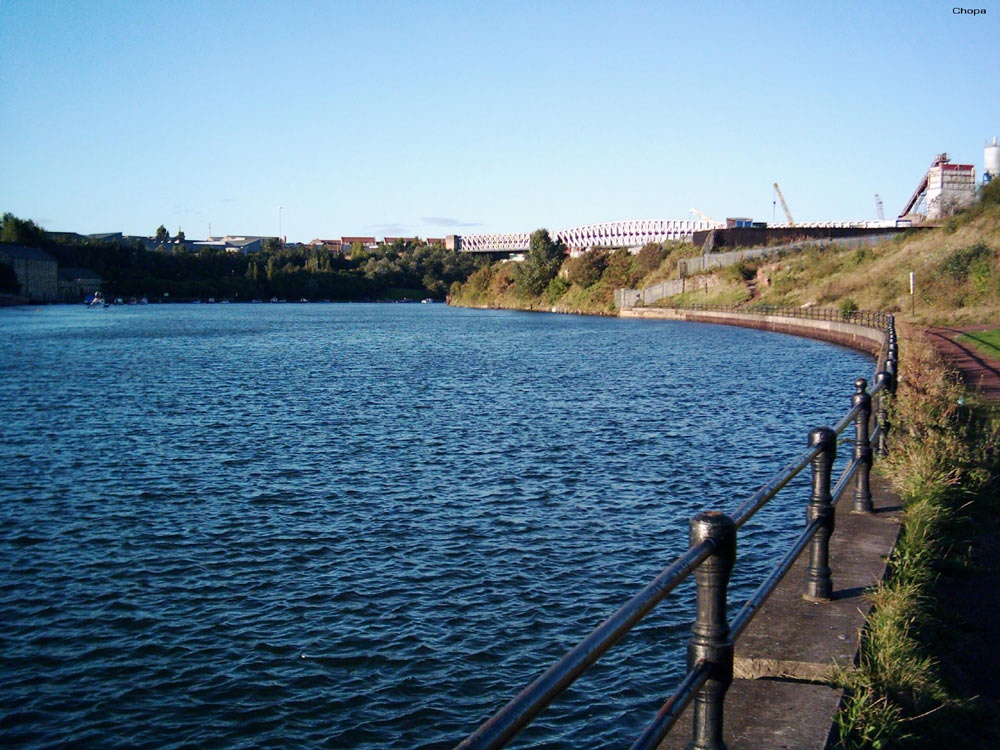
[(773, 486), (847, 420), (868, 318), (668, 714)]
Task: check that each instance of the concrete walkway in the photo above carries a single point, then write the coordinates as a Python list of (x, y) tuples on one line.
[(781, 697)]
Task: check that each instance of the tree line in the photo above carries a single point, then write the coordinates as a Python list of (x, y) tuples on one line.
[(404, 269)]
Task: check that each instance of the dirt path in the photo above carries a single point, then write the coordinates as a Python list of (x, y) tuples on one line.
[(978, 371)]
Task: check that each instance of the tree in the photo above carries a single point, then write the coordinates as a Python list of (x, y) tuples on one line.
[(650, 258), (586, 270), (541, 264), (162, 235), (621, 270), (21, 231)]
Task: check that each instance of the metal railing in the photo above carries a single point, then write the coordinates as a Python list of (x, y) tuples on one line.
[(866, 318), (710, 558)]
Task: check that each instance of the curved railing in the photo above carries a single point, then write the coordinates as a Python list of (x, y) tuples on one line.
[(710, 559), (866, 318)]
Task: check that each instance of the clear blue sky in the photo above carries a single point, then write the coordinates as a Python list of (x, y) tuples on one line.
[(430, 118)]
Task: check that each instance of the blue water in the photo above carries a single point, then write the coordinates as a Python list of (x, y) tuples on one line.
[(366, 526)]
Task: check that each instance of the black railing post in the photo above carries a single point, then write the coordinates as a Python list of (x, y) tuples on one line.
[(862, 447), (882, 414), (819, 584), (710, 641)]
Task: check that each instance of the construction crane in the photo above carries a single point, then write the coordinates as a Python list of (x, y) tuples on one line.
[(784, 206), (879, 208), (709, 219)]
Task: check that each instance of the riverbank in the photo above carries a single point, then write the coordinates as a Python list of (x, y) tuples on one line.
[(925, 625)]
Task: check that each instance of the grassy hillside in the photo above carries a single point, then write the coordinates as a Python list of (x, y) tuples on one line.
[(956, 268)]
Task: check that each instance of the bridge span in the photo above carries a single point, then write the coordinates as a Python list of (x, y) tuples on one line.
[(633, 233)]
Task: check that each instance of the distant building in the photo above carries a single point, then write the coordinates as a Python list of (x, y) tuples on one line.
[(233, 244), (76, 284), (334, 247), (950, 187), (37, 272), (368, 243)]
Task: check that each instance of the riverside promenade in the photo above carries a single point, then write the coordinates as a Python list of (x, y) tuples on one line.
[(783, 693)]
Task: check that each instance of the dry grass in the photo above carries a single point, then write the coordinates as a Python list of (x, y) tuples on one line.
[(956, 270)]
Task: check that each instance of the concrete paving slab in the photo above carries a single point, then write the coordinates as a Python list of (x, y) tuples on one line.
[(782, 716)]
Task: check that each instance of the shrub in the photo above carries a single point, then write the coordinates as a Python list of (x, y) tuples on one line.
[(503, 279), (586, 270), (961, 262), (741, 271), (848, 307), (478, 284), (556, 289), (650, 258), (991, 193), (621, 270)]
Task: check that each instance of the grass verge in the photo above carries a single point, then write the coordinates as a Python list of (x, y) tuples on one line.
[(985, 342), (944, 465)]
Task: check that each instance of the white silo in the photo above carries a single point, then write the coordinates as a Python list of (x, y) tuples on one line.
[(991, 161)]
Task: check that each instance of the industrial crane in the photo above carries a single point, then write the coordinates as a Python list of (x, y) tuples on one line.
[(709, 219), (784, 206)]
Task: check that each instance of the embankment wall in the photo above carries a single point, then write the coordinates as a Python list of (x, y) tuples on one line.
[(858, 337)]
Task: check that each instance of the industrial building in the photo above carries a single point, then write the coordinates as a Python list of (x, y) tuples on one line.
[(945, 189), (36, 271)]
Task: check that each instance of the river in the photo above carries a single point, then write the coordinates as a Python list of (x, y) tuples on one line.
[(366, 526)]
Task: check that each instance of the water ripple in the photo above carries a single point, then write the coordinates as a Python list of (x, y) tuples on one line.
[(353, 526)]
